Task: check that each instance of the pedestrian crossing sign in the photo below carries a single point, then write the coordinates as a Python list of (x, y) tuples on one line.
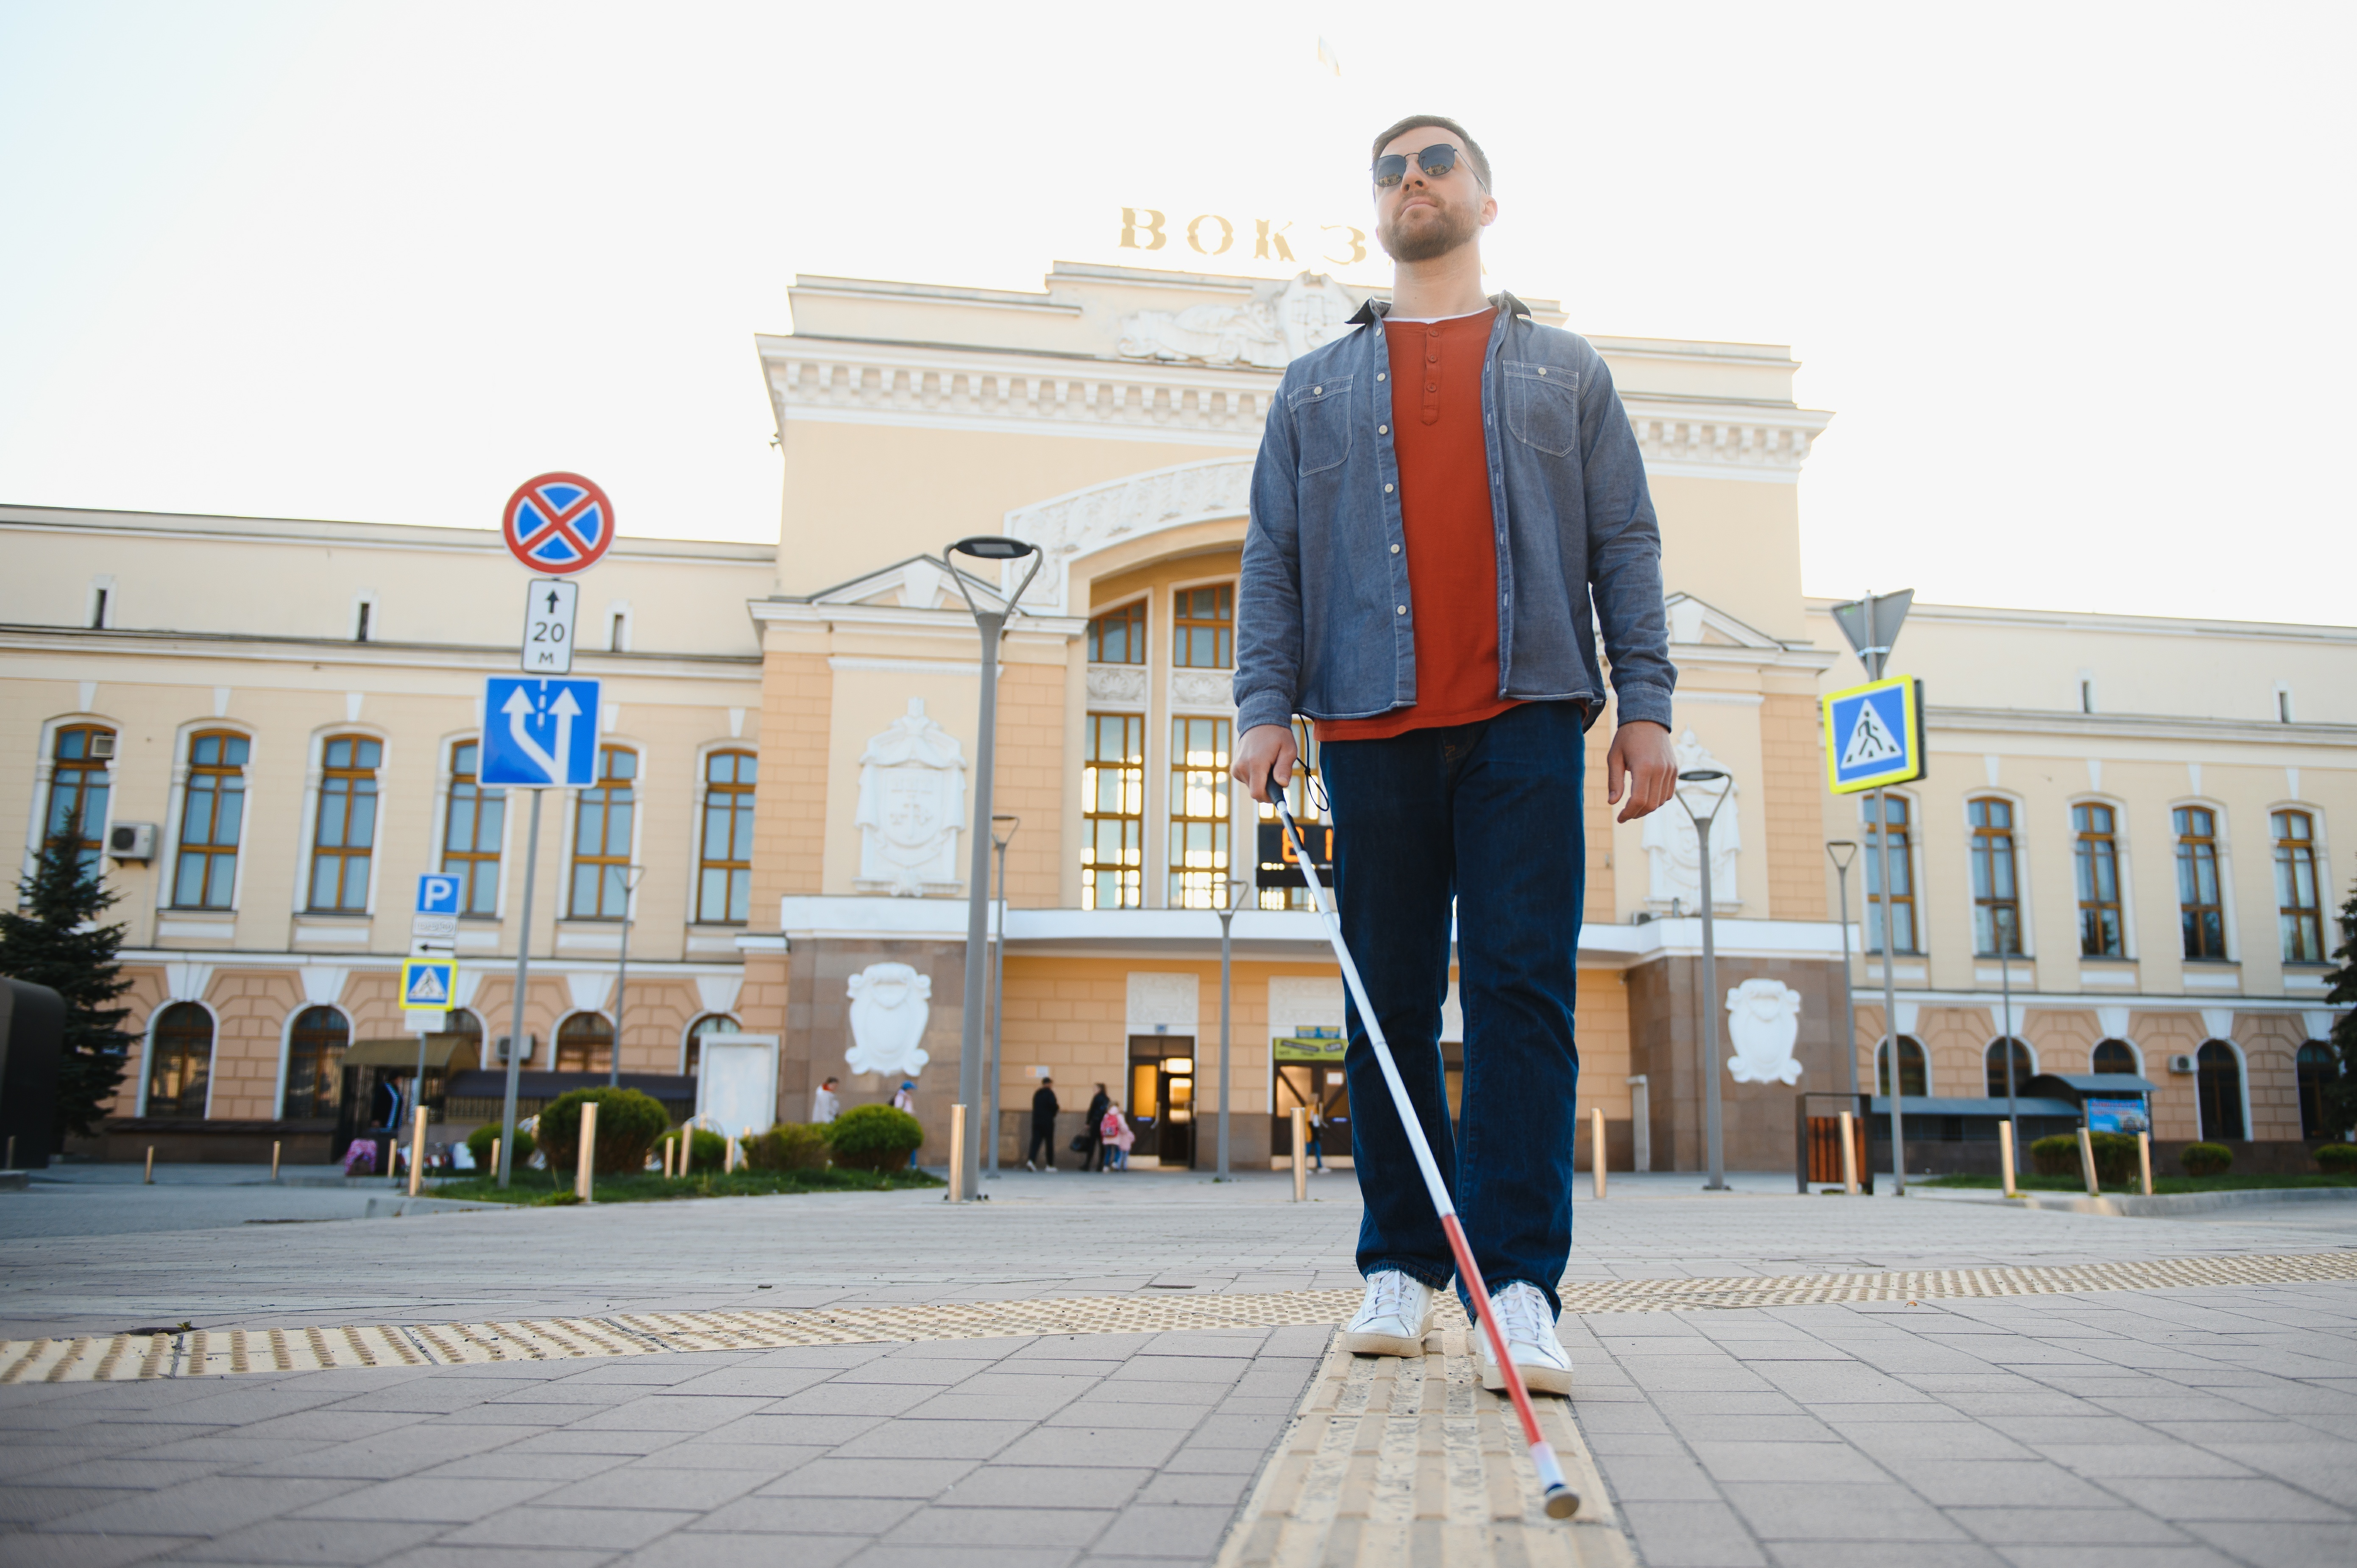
[(426, 985), (1874, 734)]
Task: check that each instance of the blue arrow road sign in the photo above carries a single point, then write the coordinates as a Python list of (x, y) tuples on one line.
[(437, 894), (540, 732)]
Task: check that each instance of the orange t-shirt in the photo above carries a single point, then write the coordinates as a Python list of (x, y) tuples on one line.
[(1452, 541)]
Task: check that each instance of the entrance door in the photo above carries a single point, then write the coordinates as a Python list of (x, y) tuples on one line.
[(1162, 1086), (1308, 1084)]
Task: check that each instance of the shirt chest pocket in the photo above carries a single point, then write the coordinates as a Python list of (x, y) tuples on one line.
[(1542, 407), (1321, 424)]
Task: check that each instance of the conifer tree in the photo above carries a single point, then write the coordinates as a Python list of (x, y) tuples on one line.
[(2340, 1094), (54, 939)]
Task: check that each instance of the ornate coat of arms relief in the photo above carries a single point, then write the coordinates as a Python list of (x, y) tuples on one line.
[(911, 808), (1764, 1019), (1280, 322), (889, 1005)]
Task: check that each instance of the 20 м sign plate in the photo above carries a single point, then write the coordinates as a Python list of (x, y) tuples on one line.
[(539, 734), (558, 524), (1874, 734)]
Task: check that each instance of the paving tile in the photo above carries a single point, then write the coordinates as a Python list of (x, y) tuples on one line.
[(1692, 1535), (911, 1437), (1879, 1554), (2283, 1545), (26, 1504), (833, 1477), (1837, 1511), (2066, 1527), (2096, 1556), (309, 1540), (437, 1556), (1658, 1479), (707, 1549), (1815, 1463), (2251, 1497), (883, 1556), (1215, 1491), (828, 1515), (633, 1486), (448, 1499), (1999, 1483), (1071, 1486), (963, 1528), (1092, 1446), (39, 1550), (209, 1506), (605, 1530)]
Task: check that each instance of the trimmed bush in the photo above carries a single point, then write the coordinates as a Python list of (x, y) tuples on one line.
[(705, 1150), (788, 1146), (479, 1142), (2116, 1157), (2337, 1159), (2057, 1156), (629, 1122), (2207, 1159), (875, 1138)]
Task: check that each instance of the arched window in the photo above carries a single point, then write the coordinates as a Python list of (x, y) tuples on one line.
[(1118, 636), (2199, 910), (1113, 812), (1914, 1071), (710, 1024), (1198, 812), (346, 837), (1901, 901), (180, 1061), (2096, 851), (2022, 1069), (724, 893), (211, 817), (584, 1043), (2298, 909), (1996, 892), (601, 837), (315, 1062), (2317, 1068), (2218, 1088), (79, 777), (472, 822), (2114, 1056), (462, 1022)]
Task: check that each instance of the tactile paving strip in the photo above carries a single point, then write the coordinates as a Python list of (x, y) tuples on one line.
[(216, 1352), (1402, 1461)]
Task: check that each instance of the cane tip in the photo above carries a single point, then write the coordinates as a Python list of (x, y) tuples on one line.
[(1562, 1502)]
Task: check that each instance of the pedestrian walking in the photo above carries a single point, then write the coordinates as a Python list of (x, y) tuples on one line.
[(1448, 506), (1317, 1150), (1118, 1137), (1043, 1127), (905, 1099), (1092, 1129), (824, 1106)]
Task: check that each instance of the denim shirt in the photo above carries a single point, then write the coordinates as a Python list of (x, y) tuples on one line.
[(1325, 625)]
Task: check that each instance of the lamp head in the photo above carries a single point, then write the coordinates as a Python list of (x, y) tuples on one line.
[(994, 547)]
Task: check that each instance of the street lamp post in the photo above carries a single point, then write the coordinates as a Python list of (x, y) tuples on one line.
[(1842, 862), (1227, 918), (630, 875), (992, 624), (1702, 821), (991, 1069)]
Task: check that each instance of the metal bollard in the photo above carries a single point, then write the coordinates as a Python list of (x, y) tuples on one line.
[(585, 1170), (2004, 1158), (957, 1193), (1596, 1146), (495, 1155), (2144, 1160), (1300, 1155), (12, 1153), (274, 1159), (416, 1153), (2087, 1163), (1849, 1153), (150, 1180)]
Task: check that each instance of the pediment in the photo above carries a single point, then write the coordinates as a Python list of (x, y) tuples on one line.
[(1696, 623), (918, 582)]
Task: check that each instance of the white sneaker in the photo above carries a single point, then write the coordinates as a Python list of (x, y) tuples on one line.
[(1530, 1340), (1393, 1318)]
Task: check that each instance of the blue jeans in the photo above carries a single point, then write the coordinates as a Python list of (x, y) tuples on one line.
[(1489, 813)]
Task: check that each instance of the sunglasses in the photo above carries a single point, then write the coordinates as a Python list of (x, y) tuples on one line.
[(1436, 160)]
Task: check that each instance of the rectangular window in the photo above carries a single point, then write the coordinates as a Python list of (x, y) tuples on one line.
[(2201, 916), (1901, 901), (1113, 813), (471, 826), (1199, 813), (345, 839), (601, 838), (2300, 910), (724, 893), (211, 820), (79, 785), (1203, 628), (1118, 636), (2097, 848), (1997, 895)]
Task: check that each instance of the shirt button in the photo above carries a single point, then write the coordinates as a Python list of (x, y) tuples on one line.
[(1316, 391), (1394, 549), (1402, 609), (1383, 430), (1432, 386), (1543, 369), (1379, 375), (1387, 489)]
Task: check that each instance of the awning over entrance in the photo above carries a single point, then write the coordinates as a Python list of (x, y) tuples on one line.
[(450, 1053)]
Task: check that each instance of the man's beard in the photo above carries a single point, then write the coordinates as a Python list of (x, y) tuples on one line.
[(1454, 227)]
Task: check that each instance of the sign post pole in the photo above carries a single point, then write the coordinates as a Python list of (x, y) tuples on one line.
[(522, 974), (1890, 999)]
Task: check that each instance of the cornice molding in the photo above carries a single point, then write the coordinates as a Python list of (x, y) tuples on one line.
[(1710, 439), (1939, 718), (335, 651)]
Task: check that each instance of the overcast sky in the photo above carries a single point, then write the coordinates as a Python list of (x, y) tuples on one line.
[(2073, 279)]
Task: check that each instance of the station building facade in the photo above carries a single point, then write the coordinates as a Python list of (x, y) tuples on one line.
[(2143, 810)]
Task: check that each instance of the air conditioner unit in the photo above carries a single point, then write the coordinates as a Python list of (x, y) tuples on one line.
[(102, 745), (500, 1049), (132, 841), (2180, 1064)]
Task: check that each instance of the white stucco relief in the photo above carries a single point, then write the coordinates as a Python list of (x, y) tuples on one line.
[(889, 1005), (1280, 322), (1764, 1020), (1084, 521), (1675, 847), (911, 808), (1122, 683)]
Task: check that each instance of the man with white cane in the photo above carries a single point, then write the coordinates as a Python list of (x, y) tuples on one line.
[(1447, 502)]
